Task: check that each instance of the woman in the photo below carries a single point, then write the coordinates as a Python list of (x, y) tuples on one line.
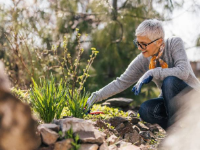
[(164, 62)]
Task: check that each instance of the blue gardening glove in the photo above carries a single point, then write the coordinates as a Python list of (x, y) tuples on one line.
[(88, 111), (145, 79)]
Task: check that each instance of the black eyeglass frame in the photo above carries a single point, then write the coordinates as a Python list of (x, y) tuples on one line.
[(143, 46)]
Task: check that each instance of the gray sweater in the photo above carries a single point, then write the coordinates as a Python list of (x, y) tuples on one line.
[(174, 55)]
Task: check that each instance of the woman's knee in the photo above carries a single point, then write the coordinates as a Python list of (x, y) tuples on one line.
[(170, 81), (143, 111), (172, 84)]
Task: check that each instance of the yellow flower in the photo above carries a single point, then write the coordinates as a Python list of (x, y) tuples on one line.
[(80, 77), (94, 49)]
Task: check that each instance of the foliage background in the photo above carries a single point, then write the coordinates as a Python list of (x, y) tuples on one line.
[(30, 30)]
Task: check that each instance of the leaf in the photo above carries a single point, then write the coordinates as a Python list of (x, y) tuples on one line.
[(48, 99)]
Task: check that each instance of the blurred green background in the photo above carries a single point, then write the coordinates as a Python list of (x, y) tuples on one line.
[(29, 30)]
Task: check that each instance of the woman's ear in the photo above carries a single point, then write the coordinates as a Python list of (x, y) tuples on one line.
[(160, 42)]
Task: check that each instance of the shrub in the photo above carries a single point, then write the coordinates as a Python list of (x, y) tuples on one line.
[(77, 103), (74, 76), (48, 99)]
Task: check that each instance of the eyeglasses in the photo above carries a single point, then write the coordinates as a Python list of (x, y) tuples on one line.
[(143, 46)]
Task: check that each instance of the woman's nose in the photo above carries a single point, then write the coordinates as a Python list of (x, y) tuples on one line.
[(139, 48)]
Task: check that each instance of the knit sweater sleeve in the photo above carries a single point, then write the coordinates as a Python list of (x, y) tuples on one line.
[(131, 75), (181, 63)]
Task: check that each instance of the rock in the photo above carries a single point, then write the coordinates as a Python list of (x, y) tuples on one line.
[(132, 113), (120, 126), (104, 146), (91, 136), (136, 128), (142, 126), (101, 124), (116, 121), (135, 120), (127, 129), (48, 136), (146, 135), (106, 104), (143, 147), (155, 128), (57, 122), (119, 102), (130, 147), (112, 147), (152, 127), (76, 124), (122, 143), (107, 132), (133, 137), (63, 145), (142, 141), (111, 140), (53, 127), (50, 147), (88, 147), (17, 126)]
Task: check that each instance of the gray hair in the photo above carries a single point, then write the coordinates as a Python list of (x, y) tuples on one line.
[(151, 28)]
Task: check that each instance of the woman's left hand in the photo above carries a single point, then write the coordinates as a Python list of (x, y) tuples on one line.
[(145, 79)]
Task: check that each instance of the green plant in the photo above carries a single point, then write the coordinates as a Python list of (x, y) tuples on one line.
[(66, 112), (76, 77), (109, 126), (76, 74), (21, 94), (64, 63), (138, 115), (153, 142), (77, 103), (108, 112), (48, 99), (69, 135), (161, 135)]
